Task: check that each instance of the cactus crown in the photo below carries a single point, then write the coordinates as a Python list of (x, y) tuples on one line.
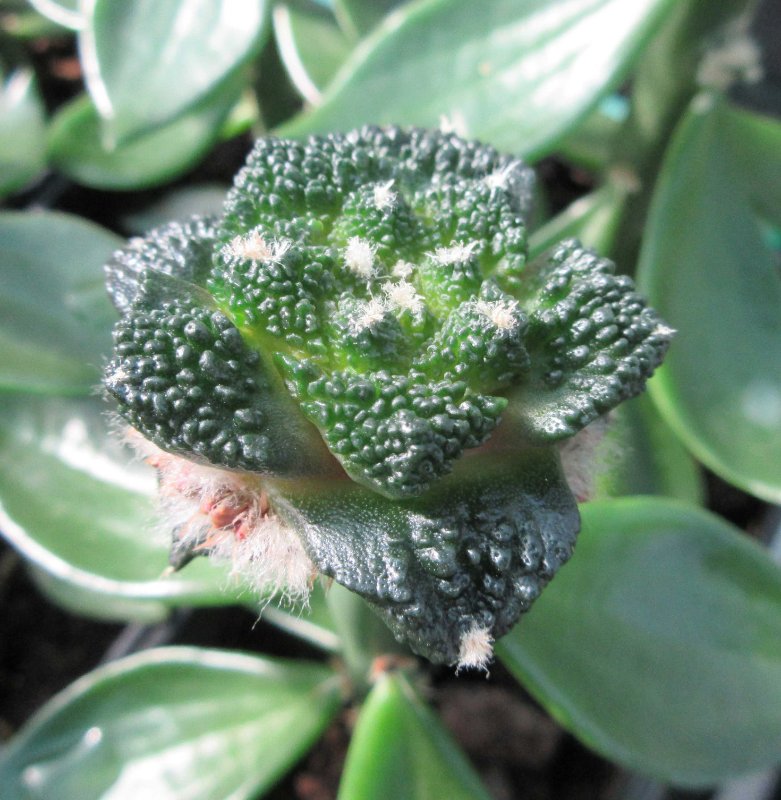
[(367, 297)]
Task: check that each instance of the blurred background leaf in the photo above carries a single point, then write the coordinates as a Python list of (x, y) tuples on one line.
[(359, 17), (76, 148), (517, 76), (641, 455), (22, 131), (659, 644), (172, 723), (400, 750), (707, 268), (311, 45), (67, 13), (73, 506), (56, 319), (179, 51)]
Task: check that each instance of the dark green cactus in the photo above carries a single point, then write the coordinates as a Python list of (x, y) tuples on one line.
[(361, 319)]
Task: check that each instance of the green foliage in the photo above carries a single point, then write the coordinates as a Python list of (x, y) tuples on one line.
[(730, 418), (615, 615), (416, 456), (400, 749), (248, 718)]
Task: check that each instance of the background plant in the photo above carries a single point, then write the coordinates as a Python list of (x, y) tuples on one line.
[(658, 645)]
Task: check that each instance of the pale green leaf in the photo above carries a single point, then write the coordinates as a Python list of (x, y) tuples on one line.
[(659, 645), (22, 131), (400, 750), (73, 506), (147, 62), (517, 75), (55, 318), (76, 147), (172, 723), (311, 46), (706, 267)]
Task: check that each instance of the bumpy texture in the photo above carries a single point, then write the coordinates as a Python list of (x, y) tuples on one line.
[(365, 300)]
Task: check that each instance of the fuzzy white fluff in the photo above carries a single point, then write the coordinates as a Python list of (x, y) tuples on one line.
[(359, 257), (369, 314), (255, 247), (402, 269), (403, 296), (503, 314), (384, 196), (500, 178), (457, 253), (228, 515), (476, 648)]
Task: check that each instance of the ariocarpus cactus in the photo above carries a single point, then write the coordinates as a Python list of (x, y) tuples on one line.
[(356, 372)]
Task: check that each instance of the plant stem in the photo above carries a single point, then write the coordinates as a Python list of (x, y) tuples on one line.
[(364, 635)]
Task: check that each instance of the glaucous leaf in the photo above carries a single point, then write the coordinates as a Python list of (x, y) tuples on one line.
[(147, 62), (659, 645), (517, 75), (22, 131), (400, 750), (75, 509), (311, 46), (76, 148), (172, 723), (706, 267), (67, 13), (55, 316), (359, 17)]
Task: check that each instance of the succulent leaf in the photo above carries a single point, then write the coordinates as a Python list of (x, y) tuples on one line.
[(187, 381), (592, 341), (183, 250), (472, 555)]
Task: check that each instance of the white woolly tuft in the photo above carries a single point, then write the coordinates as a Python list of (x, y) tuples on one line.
[(500, 178), (403, 296), (455, 122), (227, 515), (384, 196), (270, 559), (117, 376), (664, 330), (503, 314), (457, 253), (359, 257), (371, 312), (476, 649), (402, 269), (254, 247)]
